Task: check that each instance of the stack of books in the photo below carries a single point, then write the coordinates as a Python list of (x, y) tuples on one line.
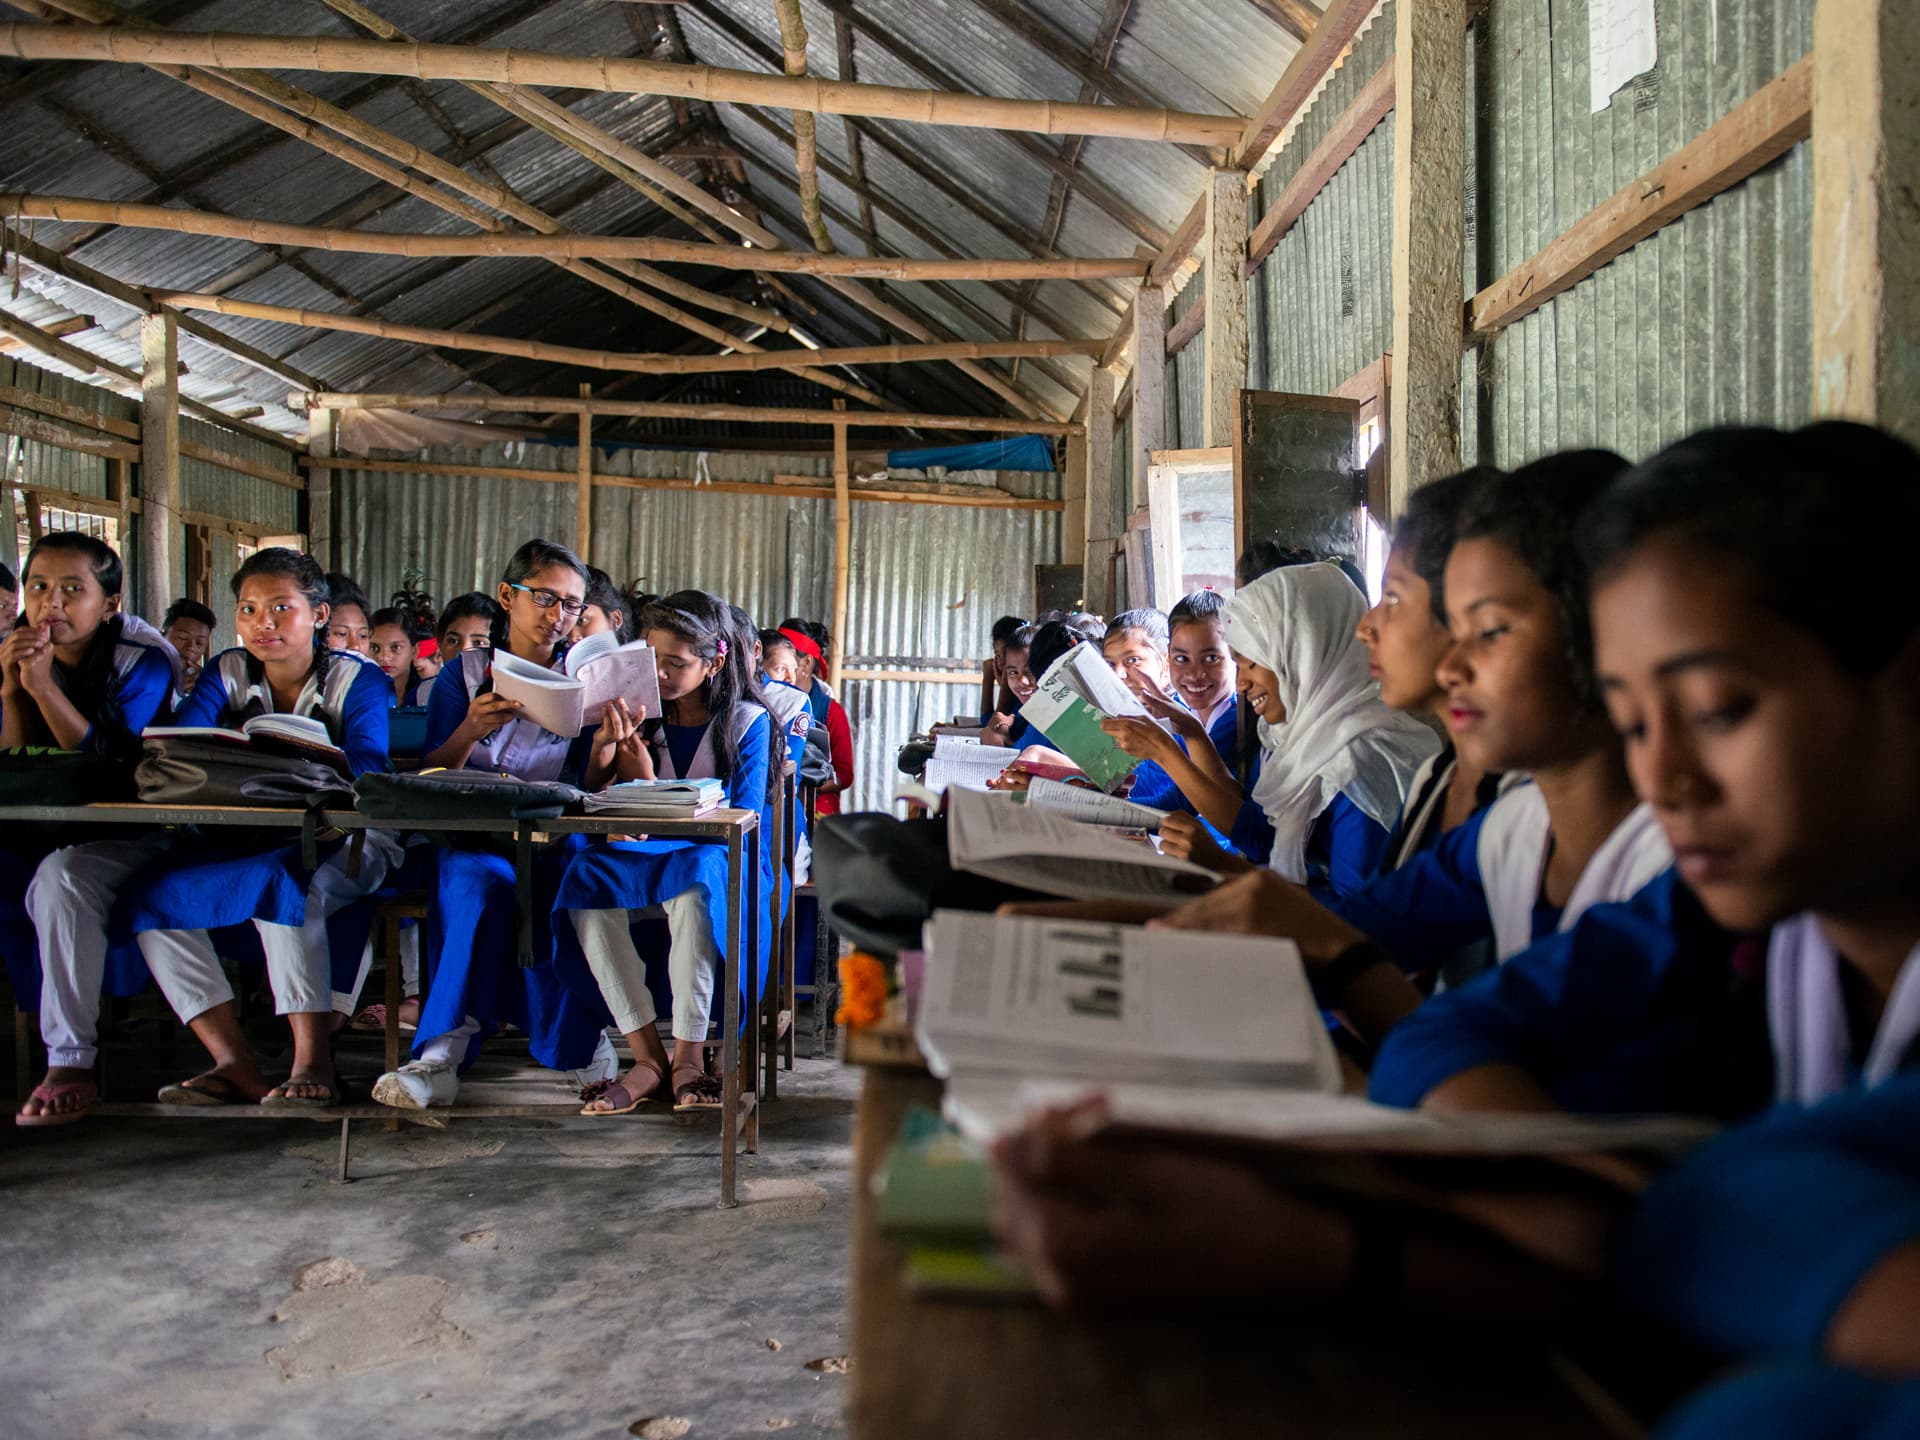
[(658, 799)]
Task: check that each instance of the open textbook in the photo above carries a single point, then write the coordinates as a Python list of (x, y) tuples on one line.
[(599, 670), (1075, 695), (1003, 839), (1090, 807), (964, 763), (299, 735), (1080, 1000)]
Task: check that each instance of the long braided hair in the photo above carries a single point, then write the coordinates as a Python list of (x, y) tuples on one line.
[(91, 685), (706, 623), (305, 572), (530, 559)]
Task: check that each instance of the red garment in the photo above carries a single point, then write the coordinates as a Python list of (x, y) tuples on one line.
[(840, 746)]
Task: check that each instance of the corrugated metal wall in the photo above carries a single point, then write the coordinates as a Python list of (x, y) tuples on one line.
[(1705, 322), (1320, 307), (206, 488), (926, 585)]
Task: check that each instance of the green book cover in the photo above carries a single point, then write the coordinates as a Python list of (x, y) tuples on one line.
[(934, 1185), (938, 1272), (1057, 711)]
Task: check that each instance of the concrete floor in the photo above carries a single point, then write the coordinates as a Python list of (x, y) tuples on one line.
[(498, 1278)]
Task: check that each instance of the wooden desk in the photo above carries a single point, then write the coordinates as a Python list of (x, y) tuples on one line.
[(937, 1369), (739, 1110)]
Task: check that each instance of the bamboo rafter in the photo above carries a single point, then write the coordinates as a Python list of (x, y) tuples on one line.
[(269, 100), (636, 362), (563, 245), (616, 74), (659, 410)]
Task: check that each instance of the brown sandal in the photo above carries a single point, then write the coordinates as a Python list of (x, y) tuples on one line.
[(618, 1097), (699, 1091)]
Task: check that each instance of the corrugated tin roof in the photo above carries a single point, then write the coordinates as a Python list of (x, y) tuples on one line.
[(119, 132)]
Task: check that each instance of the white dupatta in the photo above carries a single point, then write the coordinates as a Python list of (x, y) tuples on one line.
[(1807, 1015), (1338, 737)]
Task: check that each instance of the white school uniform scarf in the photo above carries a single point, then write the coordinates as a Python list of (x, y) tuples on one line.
[(1807, 1016), (136, 636), (1338, 738), (1512, 855), (703, 765)]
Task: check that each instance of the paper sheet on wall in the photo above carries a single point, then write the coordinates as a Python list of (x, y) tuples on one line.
[(1620, 45)]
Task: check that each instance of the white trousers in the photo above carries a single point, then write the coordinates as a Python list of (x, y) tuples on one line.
[(299, 961), (622, 974), (70, 897)]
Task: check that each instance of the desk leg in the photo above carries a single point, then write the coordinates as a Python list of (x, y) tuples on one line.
[(391, 940), (730, 1032), (756, 1035), (22, 1057)]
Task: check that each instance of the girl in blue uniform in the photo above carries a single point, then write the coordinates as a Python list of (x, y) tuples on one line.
[(477, 984), (1336, 763), (283, 667), (716, 724), (393, 648), (1767, 698), (76, 675), (1520, 696)]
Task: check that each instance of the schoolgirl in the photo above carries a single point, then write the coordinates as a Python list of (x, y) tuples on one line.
[(1179, 769), (350, 623), (1521, 698), (74, 675), (476, 983), (188, 627), (1016, 676), (1335, 763), (715, 724), (607, 608), (1767, 699), (393, 648), (315, 952)]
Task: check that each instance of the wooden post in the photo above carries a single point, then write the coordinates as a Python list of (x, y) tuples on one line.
[(161, 571), (1149, 385), (1429, 182), (1866, 255), (1100, 527), (583, 481), (1073, 523), (120, 491), (1226, 260), (320, 437), (842, 536)]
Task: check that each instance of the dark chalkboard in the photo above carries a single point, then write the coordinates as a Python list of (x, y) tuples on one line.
[(1296, 472)]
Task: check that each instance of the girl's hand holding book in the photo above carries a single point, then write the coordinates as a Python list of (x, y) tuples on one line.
[(489, 713), (1141, 739)]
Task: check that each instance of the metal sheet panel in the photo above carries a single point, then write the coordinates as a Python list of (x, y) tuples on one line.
[(1706, 321)]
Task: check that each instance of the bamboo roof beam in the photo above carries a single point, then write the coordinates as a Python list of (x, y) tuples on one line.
[(261, 96), (640, 362), (128, 381), (806, 148), (611, 73), (654, 410), (565, 244), (856, 150)]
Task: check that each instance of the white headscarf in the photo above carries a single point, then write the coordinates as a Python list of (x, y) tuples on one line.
[(1338, 737)]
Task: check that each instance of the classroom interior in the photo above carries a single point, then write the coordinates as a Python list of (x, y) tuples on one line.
[(881, 320)]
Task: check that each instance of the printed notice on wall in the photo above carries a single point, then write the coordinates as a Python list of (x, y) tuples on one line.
[(1620, 45)]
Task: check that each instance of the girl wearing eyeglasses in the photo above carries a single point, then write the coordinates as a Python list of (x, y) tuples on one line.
[(541, 597)]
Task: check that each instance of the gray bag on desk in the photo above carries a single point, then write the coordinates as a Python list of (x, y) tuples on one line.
[(816, 761), (198, 772)]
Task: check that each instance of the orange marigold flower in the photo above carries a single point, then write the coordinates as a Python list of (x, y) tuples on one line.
[(864, 986)]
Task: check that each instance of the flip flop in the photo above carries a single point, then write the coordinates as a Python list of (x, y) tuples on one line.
[(273, 1100), (47, 1094), (700, 1092), (617, 1096), (213, 1089), (374, 1017)]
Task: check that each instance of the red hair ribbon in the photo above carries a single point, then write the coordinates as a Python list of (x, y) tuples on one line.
[(803, 642)]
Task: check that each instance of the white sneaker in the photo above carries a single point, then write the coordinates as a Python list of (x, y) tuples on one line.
[(417, 1085), (605, 1065)]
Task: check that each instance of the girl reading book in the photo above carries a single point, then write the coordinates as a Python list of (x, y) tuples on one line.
[(715, 723), (477, 984)]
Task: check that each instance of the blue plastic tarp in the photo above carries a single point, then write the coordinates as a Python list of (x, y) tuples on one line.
[(1015, 452)]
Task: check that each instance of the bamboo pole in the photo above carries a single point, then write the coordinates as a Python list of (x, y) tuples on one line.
[(583, 482), (162, 570), (987, 500), (842, 533), (16, 205), (261, 96), (659, 410), (616, 74), (806, 151), (634, 362)]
